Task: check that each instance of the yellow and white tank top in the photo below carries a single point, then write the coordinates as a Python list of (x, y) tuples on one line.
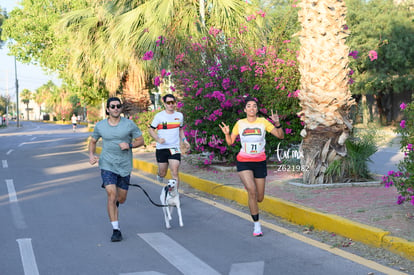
[(252, 138)]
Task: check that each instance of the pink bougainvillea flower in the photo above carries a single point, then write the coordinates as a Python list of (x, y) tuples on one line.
[(351, 72), (250, 18), (260, 52), (286, 41), (245, 68), (410, 147), (400, 199), (213, 31), (294, 94), (372, 55), (179, 58), (219, 95), (345, 27), (351, 81), (412, 200), (288, 131), (261, 13), (402, 124), (354, 54), (157, 81), (403, 106), (172, 88), (256, 87), (199, 92), (148, 55), (226, 104), (242, 29), (163, 72), (180, 105), (226, 83)]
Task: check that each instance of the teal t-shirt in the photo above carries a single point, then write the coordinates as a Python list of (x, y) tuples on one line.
[(112, 158)]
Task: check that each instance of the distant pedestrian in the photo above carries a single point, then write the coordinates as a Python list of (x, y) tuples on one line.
[(74, 122), (251, 160), (167, 130), (119, 135)]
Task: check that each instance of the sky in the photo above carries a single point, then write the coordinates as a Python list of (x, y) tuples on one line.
[(29, 76)]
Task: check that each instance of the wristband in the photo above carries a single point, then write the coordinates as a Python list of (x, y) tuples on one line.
[(278, 127), (184, 139), (130, 145)]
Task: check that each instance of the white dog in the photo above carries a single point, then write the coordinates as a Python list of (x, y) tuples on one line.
[(170, 196)]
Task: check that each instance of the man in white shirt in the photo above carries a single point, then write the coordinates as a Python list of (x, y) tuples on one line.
[(167, 130)]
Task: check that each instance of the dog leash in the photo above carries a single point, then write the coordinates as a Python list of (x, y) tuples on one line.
[(145, 192)]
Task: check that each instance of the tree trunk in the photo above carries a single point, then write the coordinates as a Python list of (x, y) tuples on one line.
[(320, 148), (27, 111), (365, 112), (381, 108), (324, 94)]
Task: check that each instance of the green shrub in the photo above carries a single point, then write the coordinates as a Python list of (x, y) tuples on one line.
[(354, 166), (143, 120), (404, 178)]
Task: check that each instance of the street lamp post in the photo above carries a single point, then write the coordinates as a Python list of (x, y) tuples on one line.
[(17, 93)]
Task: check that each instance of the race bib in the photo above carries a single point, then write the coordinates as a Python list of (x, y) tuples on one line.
[(174, 151), (253, 147)]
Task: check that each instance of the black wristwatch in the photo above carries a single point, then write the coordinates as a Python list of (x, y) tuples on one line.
[(130, 145)]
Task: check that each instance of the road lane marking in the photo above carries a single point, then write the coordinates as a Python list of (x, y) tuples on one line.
[(28, 257), (21, 144), (178, 256), (4, 162), (304, 239), (9, 152), (11, 190), (344, 254), (143, 273), (252, 268), (17, 214), (33, 138)]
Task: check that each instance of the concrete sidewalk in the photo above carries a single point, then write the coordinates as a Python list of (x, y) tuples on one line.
[(368, 214)]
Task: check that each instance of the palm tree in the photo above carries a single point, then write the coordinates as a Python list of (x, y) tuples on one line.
[(26, 96), (110, 39), (324, 96), (42, 93)]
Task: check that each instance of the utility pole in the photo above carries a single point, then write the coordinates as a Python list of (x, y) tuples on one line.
[(17, 93), (7, 98)]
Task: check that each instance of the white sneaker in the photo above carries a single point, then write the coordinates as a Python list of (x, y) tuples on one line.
[(160, 179), (257, 232)]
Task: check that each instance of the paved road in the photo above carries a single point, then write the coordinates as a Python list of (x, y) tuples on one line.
[(54, 221)]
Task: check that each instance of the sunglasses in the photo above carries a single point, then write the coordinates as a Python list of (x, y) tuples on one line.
[(119, 106), (170, 102)]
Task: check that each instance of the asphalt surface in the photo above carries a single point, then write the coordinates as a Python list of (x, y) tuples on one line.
[(54, 221)]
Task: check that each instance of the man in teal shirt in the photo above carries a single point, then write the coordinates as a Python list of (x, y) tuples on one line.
[(119, 135)]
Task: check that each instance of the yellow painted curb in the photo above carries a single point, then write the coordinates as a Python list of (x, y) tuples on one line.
[(399, 246), (294, 212), (322, 221), (297, 213)]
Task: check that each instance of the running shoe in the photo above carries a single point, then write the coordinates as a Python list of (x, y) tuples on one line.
[(257, 232), (160, 179), (116, 236)]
